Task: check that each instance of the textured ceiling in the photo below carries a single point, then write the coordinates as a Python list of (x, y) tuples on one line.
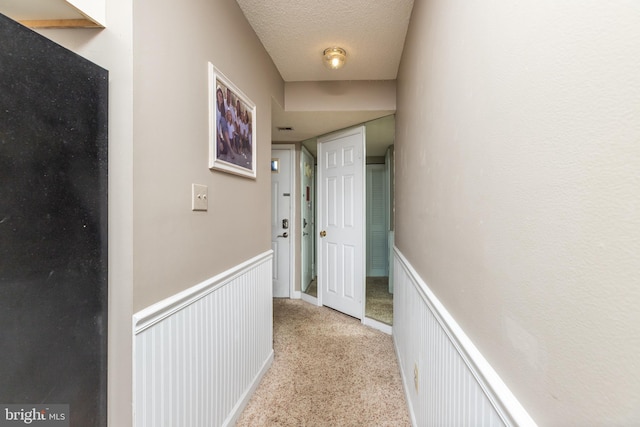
[(296, 32)]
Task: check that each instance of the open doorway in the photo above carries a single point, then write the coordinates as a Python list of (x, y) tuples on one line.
[(379, 291), (379, 286), (308, 282)]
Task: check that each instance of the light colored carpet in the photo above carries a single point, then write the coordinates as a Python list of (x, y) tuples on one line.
[(312, 289), (328, 370), (378, 302)]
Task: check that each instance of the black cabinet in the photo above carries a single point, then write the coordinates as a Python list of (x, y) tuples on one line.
[(53, 226)]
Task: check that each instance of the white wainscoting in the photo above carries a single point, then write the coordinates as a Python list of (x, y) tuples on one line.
[(455, 385), (199, 355)]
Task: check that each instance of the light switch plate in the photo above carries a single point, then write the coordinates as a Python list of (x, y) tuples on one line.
[(199, 197)]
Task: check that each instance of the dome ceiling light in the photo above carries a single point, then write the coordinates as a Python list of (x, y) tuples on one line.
[(334, 57)]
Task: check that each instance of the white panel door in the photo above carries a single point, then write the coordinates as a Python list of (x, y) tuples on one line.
[(341, 220), (281, 221)]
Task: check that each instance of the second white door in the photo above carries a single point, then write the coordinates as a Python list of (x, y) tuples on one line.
[(281, 221), (341, 221)]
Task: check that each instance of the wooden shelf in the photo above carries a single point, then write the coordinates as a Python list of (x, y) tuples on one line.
[(56, 13), (60, 23)]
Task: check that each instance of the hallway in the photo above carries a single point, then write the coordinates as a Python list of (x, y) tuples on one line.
[(516, 212), (328, 370)]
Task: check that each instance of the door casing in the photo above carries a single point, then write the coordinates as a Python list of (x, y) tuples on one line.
[(290, 159), (307, 212)]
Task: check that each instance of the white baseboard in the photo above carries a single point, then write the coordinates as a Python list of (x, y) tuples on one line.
[(309, 299), (383, 327), (246, 396)]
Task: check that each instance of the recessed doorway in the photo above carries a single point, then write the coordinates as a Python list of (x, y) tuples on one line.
[(379, 282)]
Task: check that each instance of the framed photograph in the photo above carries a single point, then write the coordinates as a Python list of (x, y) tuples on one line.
[(232, 127)]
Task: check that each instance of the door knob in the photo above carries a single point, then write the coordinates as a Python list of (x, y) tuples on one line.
[(323, 233), (285, 235)]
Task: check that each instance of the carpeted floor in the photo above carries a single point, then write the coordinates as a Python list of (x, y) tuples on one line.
[(328, 370), (312, 289), (378, 303)]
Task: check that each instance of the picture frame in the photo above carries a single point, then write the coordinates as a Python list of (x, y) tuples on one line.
[(232, 127)]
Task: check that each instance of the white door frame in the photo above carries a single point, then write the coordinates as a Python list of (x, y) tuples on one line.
[(304, 152), (293, 294), (319, 214), (375, 230)]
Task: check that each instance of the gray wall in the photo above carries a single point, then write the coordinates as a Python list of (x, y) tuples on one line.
[(175, 248), (518, 194)]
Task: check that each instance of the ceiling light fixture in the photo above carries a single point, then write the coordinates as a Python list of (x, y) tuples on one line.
[(334, 57)]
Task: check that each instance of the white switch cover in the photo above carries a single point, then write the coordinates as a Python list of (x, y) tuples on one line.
[(199, 197)]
